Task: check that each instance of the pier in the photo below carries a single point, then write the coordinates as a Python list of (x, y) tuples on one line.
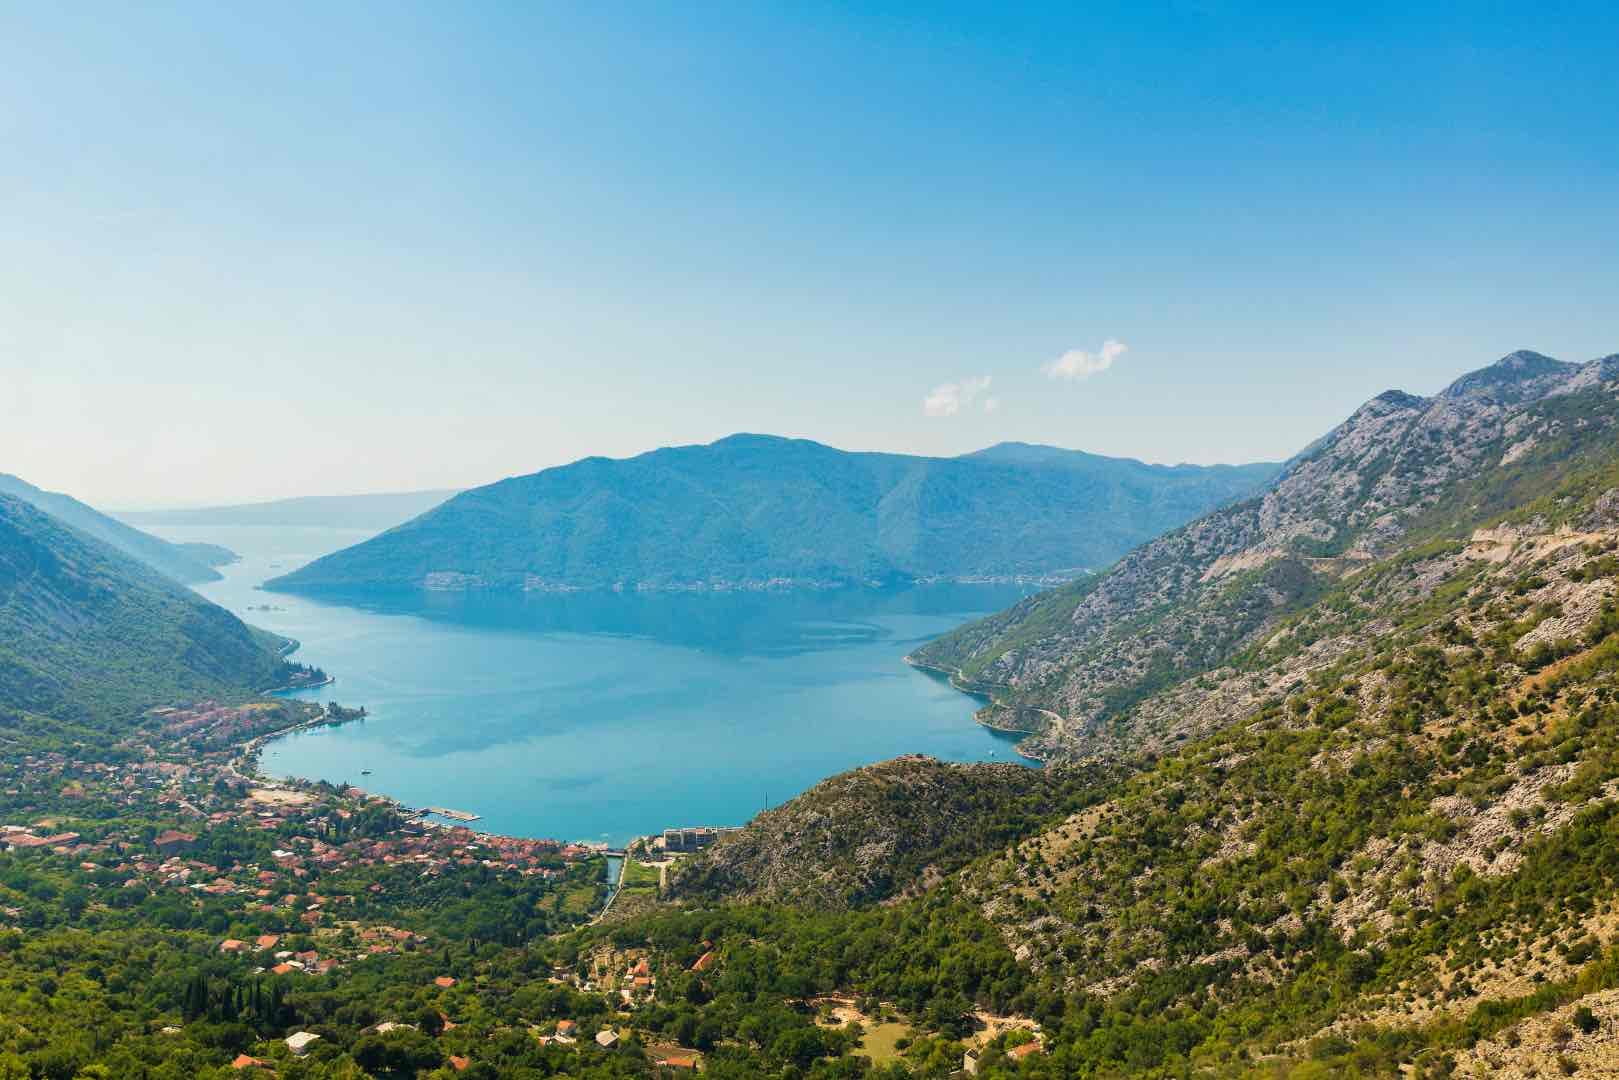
[(453, 815)]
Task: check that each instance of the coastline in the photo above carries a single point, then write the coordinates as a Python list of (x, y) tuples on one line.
[(291, 687), (446, 581), (246, 767), (953, 677), (313, 767)]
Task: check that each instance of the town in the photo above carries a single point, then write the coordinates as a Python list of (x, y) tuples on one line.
[(302, 880)]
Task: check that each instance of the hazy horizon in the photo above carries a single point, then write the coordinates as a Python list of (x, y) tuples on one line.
[(294, 251), (192, 503)]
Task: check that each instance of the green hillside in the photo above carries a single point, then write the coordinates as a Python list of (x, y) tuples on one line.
[(752, 510), (186, 564), (89, 637)]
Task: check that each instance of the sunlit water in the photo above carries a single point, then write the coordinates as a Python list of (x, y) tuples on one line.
[(600, 716)]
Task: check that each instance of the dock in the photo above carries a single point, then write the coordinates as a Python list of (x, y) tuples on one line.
[(453, 815)]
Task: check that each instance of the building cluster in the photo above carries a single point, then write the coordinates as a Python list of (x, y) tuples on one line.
[(229, 835), (210, 725), (178, 810), (691, 839)]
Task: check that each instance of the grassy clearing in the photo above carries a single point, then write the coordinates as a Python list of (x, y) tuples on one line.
[(881, 1042), (640, 878)]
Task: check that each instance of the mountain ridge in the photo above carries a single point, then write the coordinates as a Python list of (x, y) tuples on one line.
[(757, 511), (379, 510), (188, 567), (90, 637), (1400, 464)]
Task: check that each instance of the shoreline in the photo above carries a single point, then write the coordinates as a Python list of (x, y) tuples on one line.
[(953, 677), (251, 772), (466, 583), (247, 768), (327, 681), (251, 769)]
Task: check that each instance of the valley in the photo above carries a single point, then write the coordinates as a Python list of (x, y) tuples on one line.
[(1331, 788), (547, 541)]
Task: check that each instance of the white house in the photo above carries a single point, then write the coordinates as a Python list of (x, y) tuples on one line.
[(299, 1042)]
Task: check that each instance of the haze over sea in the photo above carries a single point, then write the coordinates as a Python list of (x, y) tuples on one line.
[(603, 716)]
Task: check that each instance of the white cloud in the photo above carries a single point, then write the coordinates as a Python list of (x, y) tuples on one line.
[(1079, 364), (951, 397)]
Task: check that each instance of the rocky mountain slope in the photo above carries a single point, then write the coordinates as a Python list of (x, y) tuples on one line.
[(1134, 655), (188, 564), (89, 637), (752, 510), (1418, 806), (1363, 818)]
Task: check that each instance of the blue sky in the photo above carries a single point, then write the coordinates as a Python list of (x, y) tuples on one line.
[(259, 250)]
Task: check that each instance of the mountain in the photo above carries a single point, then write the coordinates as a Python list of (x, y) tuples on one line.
[(752, 510), (89, 637), (1349, 800), (1126, 658), (187, 566), (376, 511)]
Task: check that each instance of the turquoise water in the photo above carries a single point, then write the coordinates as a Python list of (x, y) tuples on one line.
[(604, 716)]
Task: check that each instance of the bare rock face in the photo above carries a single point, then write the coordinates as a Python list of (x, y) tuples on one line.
[(1553, 1044), (1605, 513), (1078, 665)]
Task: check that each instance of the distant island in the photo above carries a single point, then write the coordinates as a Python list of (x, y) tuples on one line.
[(758, 511)]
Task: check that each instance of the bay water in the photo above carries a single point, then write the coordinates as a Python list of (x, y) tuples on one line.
[(602, 715)]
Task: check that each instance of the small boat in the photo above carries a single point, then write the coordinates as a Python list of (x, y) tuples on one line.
[(365, 772)]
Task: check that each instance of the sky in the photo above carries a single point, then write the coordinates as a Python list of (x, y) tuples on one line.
[(254, 251)]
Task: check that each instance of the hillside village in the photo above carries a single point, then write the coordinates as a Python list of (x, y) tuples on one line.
[(305, 882)]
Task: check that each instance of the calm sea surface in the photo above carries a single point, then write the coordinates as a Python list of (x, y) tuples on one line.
[(602, 716)]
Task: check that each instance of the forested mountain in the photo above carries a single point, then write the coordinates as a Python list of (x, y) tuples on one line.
[(378, 511), (187, 564), (752, 510), (89, 637)]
